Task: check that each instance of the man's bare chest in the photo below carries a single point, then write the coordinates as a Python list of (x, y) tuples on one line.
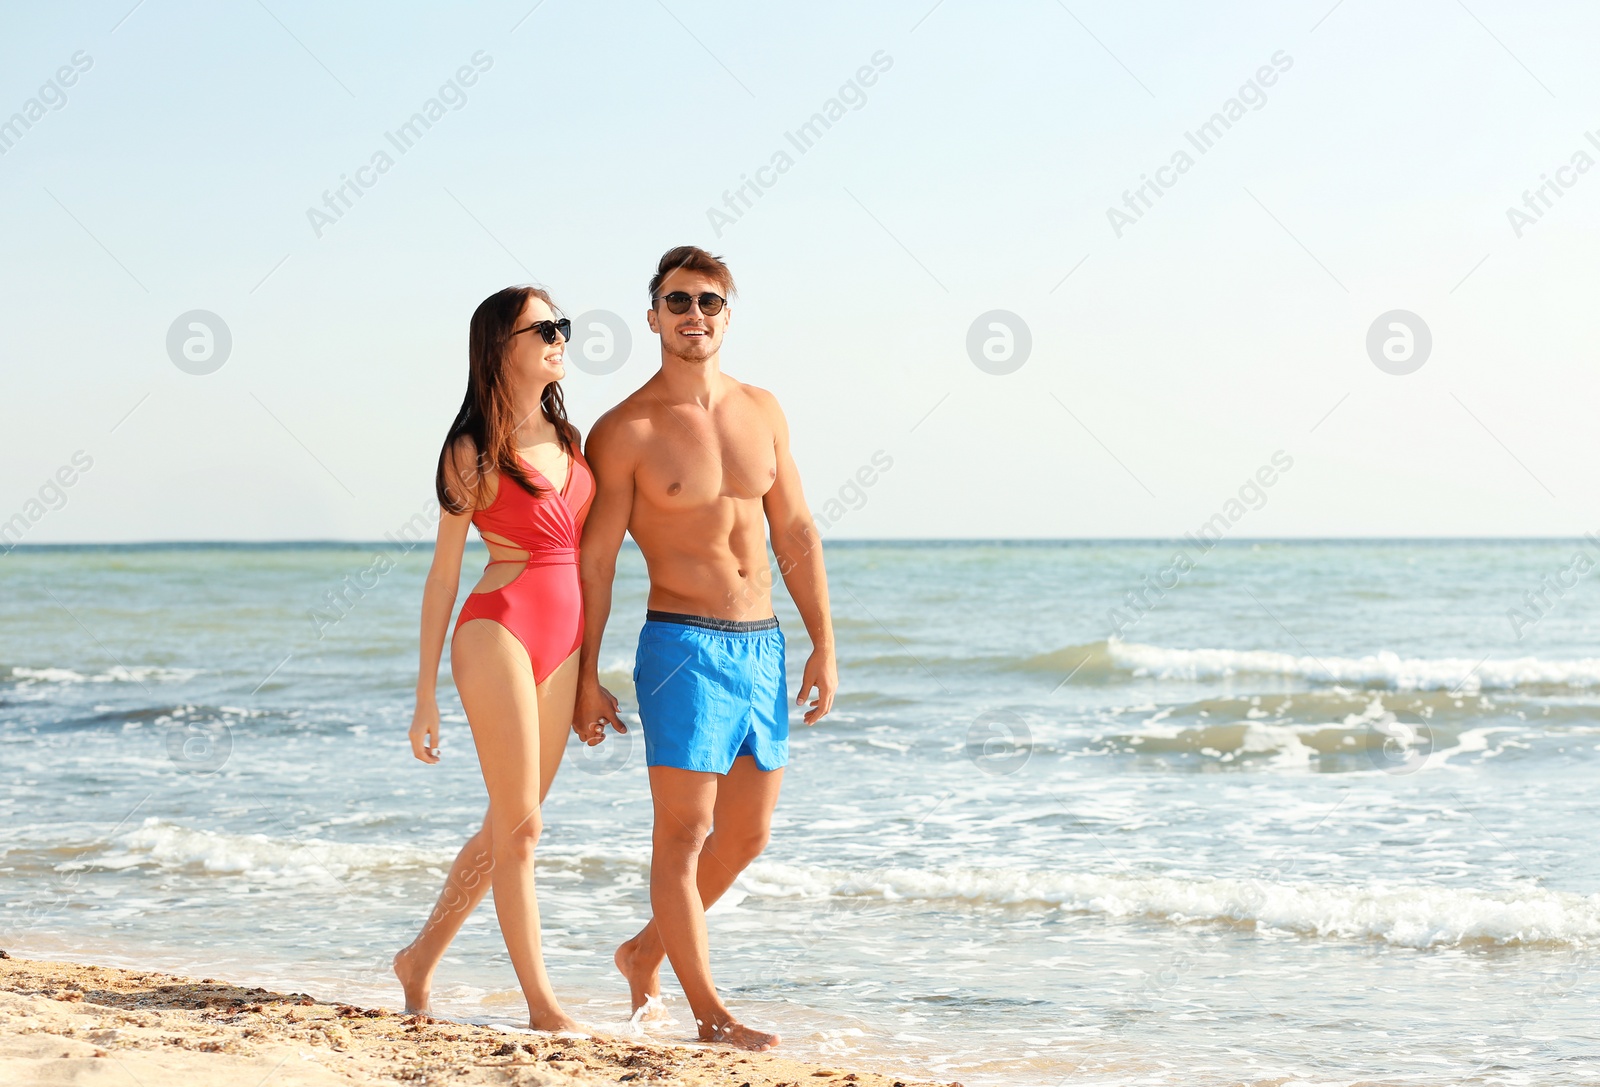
[(693, 462)]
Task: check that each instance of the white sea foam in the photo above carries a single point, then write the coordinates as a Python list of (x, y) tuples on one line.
[(1384, 668), (1278, 740), (1406, 915), (117, 674), (162, 844), (1416, 915), (169, 845)]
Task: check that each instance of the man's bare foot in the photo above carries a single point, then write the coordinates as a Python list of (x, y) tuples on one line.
[(644, 983), (418, 986), (737, 1035)]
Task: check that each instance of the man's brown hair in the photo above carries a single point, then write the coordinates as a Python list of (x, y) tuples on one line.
[(694, 259)]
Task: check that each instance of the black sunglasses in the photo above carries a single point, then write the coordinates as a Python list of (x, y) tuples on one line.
[(678, 302), (548, 329)]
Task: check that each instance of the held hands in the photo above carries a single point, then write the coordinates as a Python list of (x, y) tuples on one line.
[(425, 731), (821, 675), (596, 708)]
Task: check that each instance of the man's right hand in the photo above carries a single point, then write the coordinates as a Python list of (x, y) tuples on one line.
[(596, 708)]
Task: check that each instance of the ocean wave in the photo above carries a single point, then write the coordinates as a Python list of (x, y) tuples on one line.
[(1405, 915), (1239, 740), (1416, 915), (24, 676), (1116, 659), (170, 845), (138, 716), (1339, 703), (160, 844), (1231, 729), (1369, 727)]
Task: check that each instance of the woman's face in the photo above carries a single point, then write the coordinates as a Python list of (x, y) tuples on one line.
[(529, 359)]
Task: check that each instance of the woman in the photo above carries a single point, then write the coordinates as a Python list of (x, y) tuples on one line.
[(511, 466)]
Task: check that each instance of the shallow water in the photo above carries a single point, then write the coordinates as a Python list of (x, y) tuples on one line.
[(1318, 815)]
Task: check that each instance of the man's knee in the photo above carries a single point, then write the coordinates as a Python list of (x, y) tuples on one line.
[(739, 845), (681, 836)]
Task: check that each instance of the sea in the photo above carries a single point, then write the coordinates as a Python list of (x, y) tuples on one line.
[(1291, 812)]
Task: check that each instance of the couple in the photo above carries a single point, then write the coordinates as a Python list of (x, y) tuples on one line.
[(689, 464)]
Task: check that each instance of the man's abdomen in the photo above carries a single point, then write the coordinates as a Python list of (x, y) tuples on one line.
[(707, 565)]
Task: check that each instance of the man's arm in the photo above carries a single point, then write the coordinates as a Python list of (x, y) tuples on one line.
[(612, 462), (799, 552)]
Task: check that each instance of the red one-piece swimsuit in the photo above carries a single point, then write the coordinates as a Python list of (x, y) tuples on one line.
[(543, 606)]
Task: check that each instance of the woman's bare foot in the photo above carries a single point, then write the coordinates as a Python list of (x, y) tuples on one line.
[(555, 1021), (644, 983), (736, 1034), (418, 986)]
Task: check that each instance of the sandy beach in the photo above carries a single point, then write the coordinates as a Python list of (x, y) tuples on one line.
[(67, 1023)]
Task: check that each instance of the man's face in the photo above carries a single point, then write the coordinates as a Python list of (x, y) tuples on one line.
[(691, 336)]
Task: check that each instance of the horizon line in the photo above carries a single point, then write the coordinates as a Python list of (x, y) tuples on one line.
[(942, 541)]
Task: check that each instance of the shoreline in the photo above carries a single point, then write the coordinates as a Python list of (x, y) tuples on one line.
[(69, 1023)]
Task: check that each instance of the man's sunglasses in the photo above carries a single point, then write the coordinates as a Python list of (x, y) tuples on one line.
[(678, 302), (548, 329)]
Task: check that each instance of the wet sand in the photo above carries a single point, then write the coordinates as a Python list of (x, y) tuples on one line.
[(66, 1023)]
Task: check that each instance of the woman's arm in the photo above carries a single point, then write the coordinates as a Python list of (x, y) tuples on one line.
[(438, 603)]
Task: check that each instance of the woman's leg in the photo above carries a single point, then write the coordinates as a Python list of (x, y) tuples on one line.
[(497, 691), (464, 888), (469, 877)]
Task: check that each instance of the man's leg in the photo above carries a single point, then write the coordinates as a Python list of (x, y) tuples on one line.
[(686, 808), (741, 822)]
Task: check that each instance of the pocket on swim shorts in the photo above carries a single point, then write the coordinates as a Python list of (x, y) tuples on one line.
[(638, 656), (661, 656), (650, 638)]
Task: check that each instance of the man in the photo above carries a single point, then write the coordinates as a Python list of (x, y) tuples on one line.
[(689, 464)]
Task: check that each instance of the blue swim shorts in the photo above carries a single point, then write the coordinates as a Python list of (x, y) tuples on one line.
[(711, 690)]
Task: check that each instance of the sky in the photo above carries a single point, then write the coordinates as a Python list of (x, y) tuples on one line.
[(1018, 275)]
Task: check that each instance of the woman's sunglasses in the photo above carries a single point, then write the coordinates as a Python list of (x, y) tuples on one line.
[(548, 329), (710, 304)]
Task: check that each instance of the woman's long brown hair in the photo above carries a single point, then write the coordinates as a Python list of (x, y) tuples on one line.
[(488, 414)]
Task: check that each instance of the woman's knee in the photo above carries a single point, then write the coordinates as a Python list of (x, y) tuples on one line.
[(518, 841)]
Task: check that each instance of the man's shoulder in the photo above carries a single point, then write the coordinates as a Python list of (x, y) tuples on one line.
[(633, 409), (761, 398), (624, 423)]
